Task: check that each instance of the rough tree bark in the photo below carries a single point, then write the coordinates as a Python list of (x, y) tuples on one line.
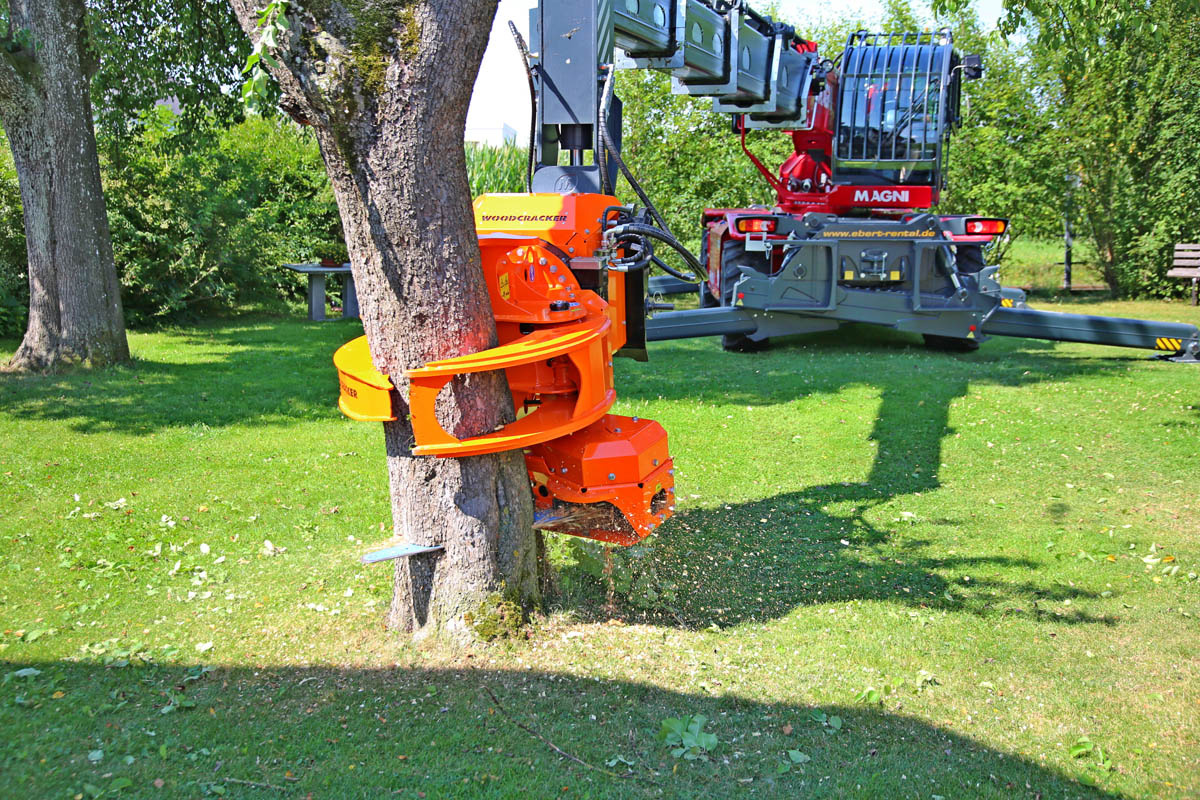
[(75, 313), (386, 84)]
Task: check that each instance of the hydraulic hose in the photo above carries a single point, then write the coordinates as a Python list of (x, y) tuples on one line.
[(520, 40), (606, 186), (666, 238), (686, 277)]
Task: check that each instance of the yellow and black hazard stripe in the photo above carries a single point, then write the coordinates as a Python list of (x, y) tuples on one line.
[(1006, 302), (1167, 343)]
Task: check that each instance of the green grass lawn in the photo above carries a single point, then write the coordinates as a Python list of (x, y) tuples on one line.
[(1038, 263), (928, 574)]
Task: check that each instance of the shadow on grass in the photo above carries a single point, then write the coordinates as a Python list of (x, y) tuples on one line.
[(341, 733), (274, 372), (816, 544), (249, 371)]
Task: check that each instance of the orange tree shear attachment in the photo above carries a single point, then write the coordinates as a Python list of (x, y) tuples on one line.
[(556, 344)]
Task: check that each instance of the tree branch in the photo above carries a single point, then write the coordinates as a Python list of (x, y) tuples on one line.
[(504, 712)]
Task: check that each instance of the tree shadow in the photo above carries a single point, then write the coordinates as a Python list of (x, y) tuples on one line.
[(817, 544), (411, 732), (271, 373), (249, 371)]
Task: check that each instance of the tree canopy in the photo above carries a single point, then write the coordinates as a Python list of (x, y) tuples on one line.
[(186, 53)]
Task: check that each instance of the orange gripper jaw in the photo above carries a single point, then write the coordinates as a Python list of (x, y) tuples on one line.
[(580, 347), (366, 393), (556, 344)]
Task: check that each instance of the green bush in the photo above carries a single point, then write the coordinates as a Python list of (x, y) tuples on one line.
[(198, 231), (14, 284), (201, 230)]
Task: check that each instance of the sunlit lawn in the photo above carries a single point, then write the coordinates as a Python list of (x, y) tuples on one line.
[(970, 562)]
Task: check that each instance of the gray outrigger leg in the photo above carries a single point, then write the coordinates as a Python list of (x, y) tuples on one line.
[(1174, 340), (689, 324)]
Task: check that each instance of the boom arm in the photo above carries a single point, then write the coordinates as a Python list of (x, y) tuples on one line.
[(747, 63)]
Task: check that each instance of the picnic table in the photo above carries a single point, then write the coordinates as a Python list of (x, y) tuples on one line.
[(316, 289), (1187, 265)]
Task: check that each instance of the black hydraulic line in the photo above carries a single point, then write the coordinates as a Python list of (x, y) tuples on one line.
[(674, 273), (524, 48), (1117, 331), (670, 241)]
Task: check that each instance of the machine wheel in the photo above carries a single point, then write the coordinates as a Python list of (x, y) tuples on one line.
[(950, 344), (734, 256), (969, 258)]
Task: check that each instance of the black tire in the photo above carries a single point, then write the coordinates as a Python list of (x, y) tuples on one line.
[(969, 258), (950, 344), (733, 258)]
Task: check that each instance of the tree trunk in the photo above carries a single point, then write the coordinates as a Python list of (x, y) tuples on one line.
[(75, 313), (388, 100)]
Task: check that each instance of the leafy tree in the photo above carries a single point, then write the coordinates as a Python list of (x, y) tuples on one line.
[(1131, 115), (1007, 158), (385, 86), (1081, 28), (1114, 108), (54, 54)]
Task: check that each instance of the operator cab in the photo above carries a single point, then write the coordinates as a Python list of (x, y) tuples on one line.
[(898, 100)]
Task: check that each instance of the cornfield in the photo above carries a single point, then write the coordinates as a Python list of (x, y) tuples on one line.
[(496, 169)]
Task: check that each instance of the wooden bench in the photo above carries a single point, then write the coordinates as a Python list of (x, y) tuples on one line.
[(316, 289), (1187, 265)]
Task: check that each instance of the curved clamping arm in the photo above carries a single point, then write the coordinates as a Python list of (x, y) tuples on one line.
[(585, 344)]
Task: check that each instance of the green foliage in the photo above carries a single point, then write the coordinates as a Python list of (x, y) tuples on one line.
[(1007, 157), (197, 231), (1080, 29), (148, 51), (334, 251), (14, 285), (273, 25), (496, 169), (687, 738), (1130, 117), (497, 617), (793, 758), (1097, 759), (830, 723), (202, 230)]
